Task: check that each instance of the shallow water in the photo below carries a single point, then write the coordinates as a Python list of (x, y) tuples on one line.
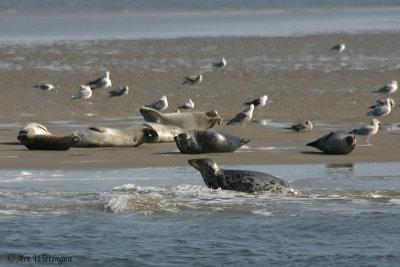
[(342, 214)]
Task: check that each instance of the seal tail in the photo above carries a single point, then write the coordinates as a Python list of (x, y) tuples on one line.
[(243, 141)]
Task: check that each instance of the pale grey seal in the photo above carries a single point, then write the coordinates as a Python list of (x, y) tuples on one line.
[(186, 121), (48, 142), (200, 141), (340, 143), (165, 133), (109, 137), (33, 128), (238, 180)]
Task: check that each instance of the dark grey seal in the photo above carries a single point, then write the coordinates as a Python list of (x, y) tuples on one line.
[(238, 180), (196, 142), (339, 143), (48, 142)]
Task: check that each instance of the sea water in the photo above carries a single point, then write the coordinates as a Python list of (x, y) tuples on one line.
[(343, 214)]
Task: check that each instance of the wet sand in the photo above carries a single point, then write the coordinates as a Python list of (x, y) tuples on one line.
[(303, 79)]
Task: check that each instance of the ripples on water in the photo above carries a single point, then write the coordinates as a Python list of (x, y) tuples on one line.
[(343, 213)]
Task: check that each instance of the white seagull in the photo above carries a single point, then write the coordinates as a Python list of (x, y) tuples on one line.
[(46, 87), (160, 105), (192, 80), (102, 82), (388, 88), (381, 102), (367, 130), (339, 48), (382, 110), (84, 93), (188, 105), (120, 91), (243, 116), (220, 64), (259, 101)]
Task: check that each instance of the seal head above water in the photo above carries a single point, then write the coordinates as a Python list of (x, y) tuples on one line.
[(239, 180), (206, 141)]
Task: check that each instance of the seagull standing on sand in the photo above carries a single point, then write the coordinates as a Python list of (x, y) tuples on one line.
[(339, 48), (367, 130), (193, 80), (220, 64), (84, 93), (259, 101), (120, 91), (302, 127), (102, 82), (46, 87), (160, 105), (388, 88), (381, 102), (188, 105), (382, 110), (243, 116)]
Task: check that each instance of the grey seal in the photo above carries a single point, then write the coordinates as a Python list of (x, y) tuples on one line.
[(205, 141), (238, 180), (48, 142), (165, 133), (339, 143), (33, 128), (186, 121), (98, 136)]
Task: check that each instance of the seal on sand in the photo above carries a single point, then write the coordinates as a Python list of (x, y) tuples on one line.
[(165, 133), (109, 137), (238, 180), (48, 142), (31, 129), (339, 143), (196, 141), (186, 121)]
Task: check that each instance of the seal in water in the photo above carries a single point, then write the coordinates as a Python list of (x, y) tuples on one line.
[(48, 142), (339, 143), (196, 142), (109, 137), (186, 121), (238, 180)]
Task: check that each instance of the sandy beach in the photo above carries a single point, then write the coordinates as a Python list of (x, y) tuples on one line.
[(302, 78)]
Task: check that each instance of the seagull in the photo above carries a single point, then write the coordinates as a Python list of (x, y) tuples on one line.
[(192, 80), (220, 64), (301, 127), (382, 110), (160, 105), (102, 82), (367, 130), (46, 87), (388, 88), (120, 91), (339, 48), (84, 93), (243, 116), (188, 105), (259, 101), (381, 102)]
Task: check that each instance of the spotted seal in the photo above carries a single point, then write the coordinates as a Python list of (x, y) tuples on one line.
[(48, 142), (206, 141), (238, 180), (339, 143), (98, 136), (186, 121)]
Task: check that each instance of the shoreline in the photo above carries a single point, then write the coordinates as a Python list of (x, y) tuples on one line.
[(302, 78)]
